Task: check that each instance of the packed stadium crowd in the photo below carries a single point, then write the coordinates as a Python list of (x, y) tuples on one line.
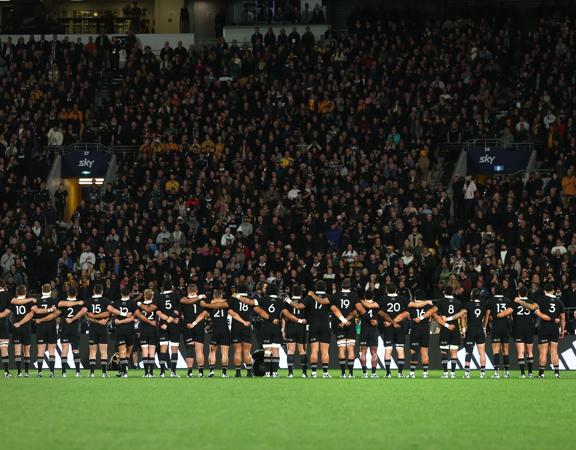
[(296, 159)]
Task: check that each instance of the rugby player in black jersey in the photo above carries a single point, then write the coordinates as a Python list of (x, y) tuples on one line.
[(218, 308), (420, 332), (146, 315), (168, 312), (21, 329), (552, 328), (241, 332), (193, 329), (45, 314), (4, 329), (450, 310), (318, 310), (475, 334), (499, 311), (123, 309), (294, 333), (72, 310), (345, 301), (523, 331), (369, 333), (98, 317)]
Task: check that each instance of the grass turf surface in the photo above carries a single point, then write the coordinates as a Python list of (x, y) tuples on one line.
[(68, 414)]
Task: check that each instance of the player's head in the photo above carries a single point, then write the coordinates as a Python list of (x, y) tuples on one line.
[(192, 289), (260, 287), (98, 289), (46, 289), (72, 291), (369, 294), (217, 293), (242, 289), (346, 283), (272, 289), (167, 285), (475, 294), (548, 288), (125, 292), (419, 294), (320, 286), (148, 295), (523, 292), (448, 291), (498, 289), (391, 288), (296, 291), (21, 290)]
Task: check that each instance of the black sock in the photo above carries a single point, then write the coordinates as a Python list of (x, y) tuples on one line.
[(541, 371), (468, 359), (445, 362), (400, 365), (506, 360), (413, 361), (64, 364), (373, 368), (201, 370), (163, 356), (364, 369), (275, 364), (342, 363), (454, 364), (290, 360), (26, 364), (6, 363), (92, 364), (313, 367), (522, 366), (124, 366), (530, 363), (425, 367), (238, 371), (497, 361), (351, 367), (557, 369), (51, 362), (304, 363), (40, 362), (103, 365), (325, 368), (76, 361), (189, 370), (387, 365), (18, 360), (224, 370), (173, 361), (212, 366)]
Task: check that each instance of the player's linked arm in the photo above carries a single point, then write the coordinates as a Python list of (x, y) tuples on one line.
[(261, 313), (142, 318), (544, 317), (386, 317), (318, 299), (5, 313), (291, 317), (69, 303), (237, 317), (192, 300), (504, 313), (215, 304), (527, 305), (49, 317), (246, 300), (402, 316), (486, 319), (22, 301), (27, 318), (199, 319), (78, 315), (419, 303)]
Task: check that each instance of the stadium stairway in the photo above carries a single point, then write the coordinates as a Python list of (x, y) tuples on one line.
[(105, 94)]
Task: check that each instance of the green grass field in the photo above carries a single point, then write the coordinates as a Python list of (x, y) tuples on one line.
[(67, 414)]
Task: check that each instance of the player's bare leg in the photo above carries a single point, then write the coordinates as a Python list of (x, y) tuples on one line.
[(342, 356), (387, 360), (325, 354), (506, 359), (482, 354), (199, 353), (93, 349), (521, 356), (40, 351), (425, 360), (212, 359), (224, 349), (238, 358), (543, 350), (554, 358), (453, 360), (529, 358), (18, 358), (51, 358), (290, 351), (351, 356), (303, 359), (496, 356), (400, 354), (174, 359), (123, 353), (374, 360), (5, 357), (363, 351), (247, 357), (314, 348), (190, 358), (163, 357), (64, 357)]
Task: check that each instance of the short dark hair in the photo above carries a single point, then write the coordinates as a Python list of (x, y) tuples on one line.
[(475, 294), (523, 291), (167, 285), (72, 291), (419, 294), (21, 290), (296, 290), (98, 289), (548, 287), (346, 283), (125, 291), (391, 288), (498, 289), (320, 286), (448, 290), (217, 293)]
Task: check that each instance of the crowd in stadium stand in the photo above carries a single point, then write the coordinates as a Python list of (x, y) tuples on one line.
[(299, 158)]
